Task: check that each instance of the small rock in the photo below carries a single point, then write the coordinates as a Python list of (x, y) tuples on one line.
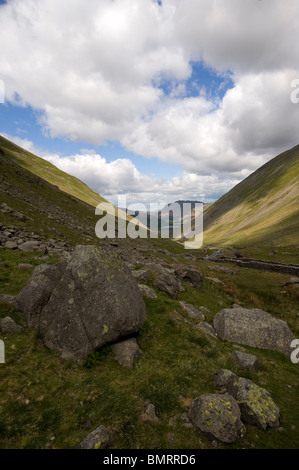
[(204, 309), (147, 291), (19, 215), (223, 379), (149, 413), (206, 328), (186, 420), (190, 275), (215, 280), (100, 438), (32, 246), (142, 274), (292, 281), (246, 361), (192, 312), (25, 266), (11, 245), (5, 208), (7, 299), (126, 352), (7, 325)]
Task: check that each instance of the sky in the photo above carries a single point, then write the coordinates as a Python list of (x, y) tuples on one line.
[(156, 100)]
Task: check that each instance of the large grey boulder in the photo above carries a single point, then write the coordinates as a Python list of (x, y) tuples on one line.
[(97, 301), (35, 295), (253, 327), (217, 416)]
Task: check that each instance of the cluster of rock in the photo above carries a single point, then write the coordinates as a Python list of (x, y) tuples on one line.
[(167, 279), (18, 238), (81, 304), (239, 400)]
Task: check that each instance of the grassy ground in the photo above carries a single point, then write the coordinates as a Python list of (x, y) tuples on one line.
[(46, 402)]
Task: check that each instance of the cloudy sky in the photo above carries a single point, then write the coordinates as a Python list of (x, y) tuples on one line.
[(159, 100)]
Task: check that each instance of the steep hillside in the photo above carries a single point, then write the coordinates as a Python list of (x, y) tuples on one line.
[(50, 173), (263, 209)]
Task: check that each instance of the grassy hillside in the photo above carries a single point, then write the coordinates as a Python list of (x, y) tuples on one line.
[(48, 172), (263, 209)]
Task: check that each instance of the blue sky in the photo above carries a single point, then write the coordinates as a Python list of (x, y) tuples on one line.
[(24, 122), (156, 100)]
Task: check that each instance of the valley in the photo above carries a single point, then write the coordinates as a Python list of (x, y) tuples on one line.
[(50, 401)]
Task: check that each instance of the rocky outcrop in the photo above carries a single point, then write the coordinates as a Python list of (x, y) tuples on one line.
[(84, 303), (253, 327)]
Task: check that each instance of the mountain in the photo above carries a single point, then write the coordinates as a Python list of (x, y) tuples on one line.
[(164, 218), (51, 200), (263, 209), (50, 173)]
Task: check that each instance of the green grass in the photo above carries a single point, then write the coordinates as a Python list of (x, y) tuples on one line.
[(42, 396)]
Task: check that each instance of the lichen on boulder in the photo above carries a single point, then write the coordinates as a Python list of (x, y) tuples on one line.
[(217, 416), (256, 405)]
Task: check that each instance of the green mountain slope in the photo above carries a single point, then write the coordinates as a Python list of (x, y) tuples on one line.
[(263, 209), (50, 173)]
